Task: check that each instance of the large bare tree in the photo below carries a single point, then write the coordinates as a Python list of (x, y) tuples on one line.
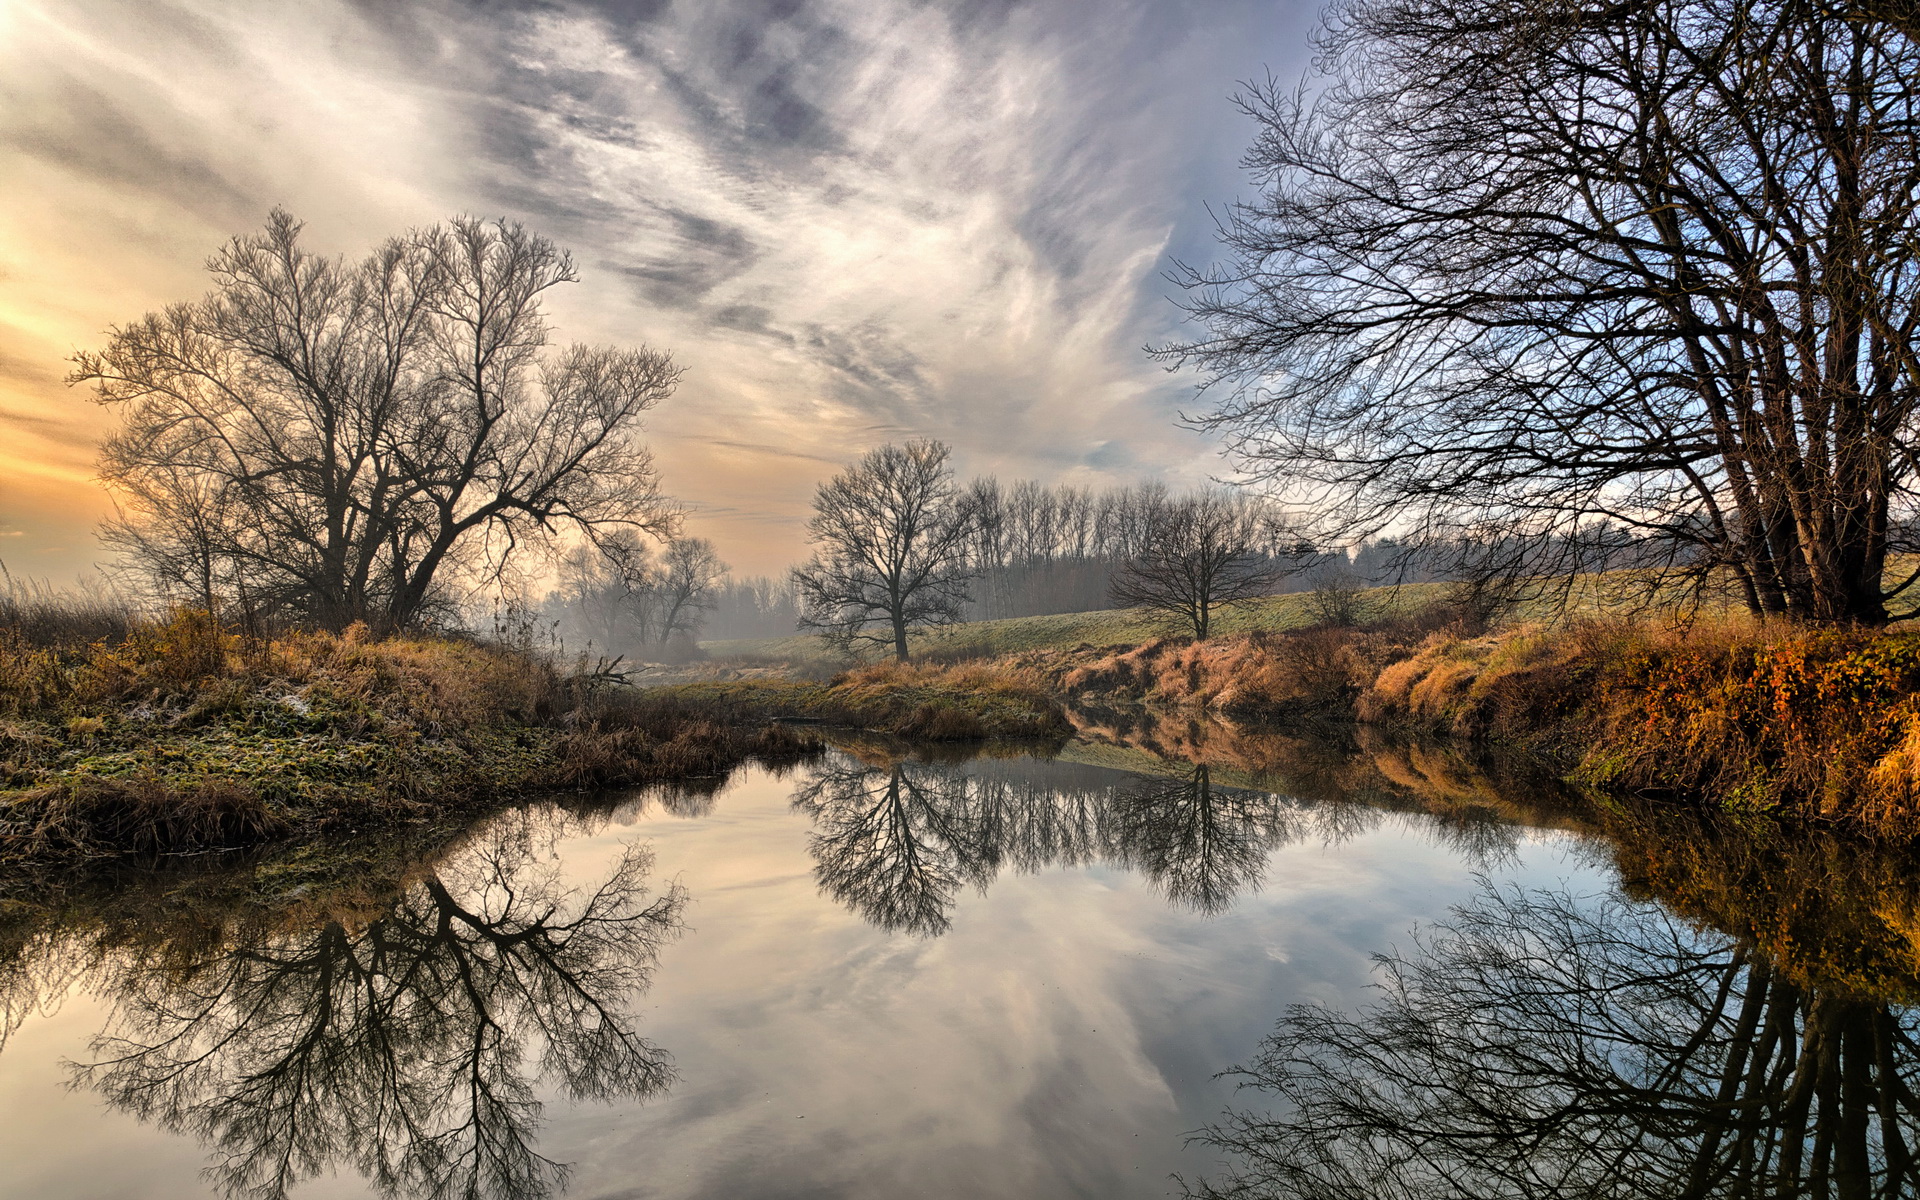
[(336, 439), (1590, 273), (892, 533), (1199, 554)]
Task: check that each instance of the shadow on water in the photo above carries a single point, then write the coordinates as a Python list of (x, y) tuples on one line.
[(1731, 1022)]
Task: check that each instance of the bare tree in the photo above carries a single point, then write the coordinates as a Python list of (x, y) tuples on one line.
[(1570, 272), (345, 437), (1337, 595), (687, 587), (619, 597), (1198, 554), (893, 533)]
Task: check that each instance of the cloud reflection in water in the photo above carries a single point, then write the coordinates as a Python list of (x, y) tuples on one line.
[(407, 1046)]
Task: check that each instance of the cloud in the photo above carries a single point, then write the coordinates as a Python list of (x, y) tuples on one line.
[(851, 219)]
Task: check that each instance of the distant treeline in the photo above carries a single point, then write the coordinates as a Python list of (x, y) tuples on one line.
[(1041, 550), (1034, 549), (753, 606)]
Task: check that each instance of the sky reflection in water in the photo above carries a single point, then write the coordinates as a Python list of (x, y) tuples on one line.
[(1004, 977)]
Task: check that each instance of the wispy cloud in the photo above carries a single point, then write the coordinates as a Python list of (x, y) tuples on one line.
[(852, 219)]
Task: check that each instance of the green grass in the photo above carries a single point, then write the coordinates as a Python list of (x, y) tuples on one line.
[(1110, 627), (1610, 593)]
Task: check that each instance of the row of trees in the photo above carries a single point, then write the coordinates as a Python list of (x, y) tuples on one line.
[(754, 606), (900, 544), (1038, 549)]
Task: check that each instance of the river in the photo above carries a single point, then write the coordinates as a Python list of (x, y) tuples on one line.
[(902, 974)]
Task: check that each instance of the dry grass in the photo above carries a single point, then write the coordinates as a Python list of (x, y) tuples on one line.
[(924, 701), (183, 736), (1314, 672), (1508, 683), (1751, 716)]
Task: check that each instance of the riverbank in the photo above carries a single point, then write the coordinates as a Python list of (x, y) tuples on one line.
[(182, 737), (1829, 910), (920, 702), (1727, 713)]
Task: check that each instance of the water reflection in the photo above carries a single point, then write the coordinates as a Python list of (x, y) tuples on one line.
[(1200, 843), (1545, 1045), (398, 1011), (897, 839), (405, 1044)]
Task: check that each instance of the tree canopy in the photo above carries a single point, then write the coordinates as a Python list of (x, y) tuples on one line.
[(1589, 273), (334, 440)]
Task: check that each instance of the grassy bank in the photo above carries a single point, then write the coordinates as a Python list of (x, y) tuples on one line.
[(1061, 631), (1731, 713), (1740, 715), (1750, 716), (929, 702), (182, 737)]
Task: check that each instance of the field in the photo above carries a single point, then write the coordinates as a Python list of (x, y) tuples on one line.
[(1109, 627), (1615, 593)]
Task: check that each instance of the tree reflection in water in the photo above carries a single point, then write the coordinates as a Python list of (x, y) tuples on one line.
[(1201, 844), (1542, 1045), (408, 1045), (897, 842)]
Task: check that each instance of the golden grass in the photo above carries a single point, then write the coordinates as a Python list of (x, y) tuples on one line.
[(185, 736), (928, 701), (1750, 715)]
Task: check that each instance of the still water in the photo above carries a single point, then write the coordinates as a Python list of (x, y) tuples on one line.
[(887, 975)]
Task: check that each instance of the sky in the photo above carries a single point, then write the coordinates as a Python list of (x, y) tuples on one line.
[(852, 221)]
